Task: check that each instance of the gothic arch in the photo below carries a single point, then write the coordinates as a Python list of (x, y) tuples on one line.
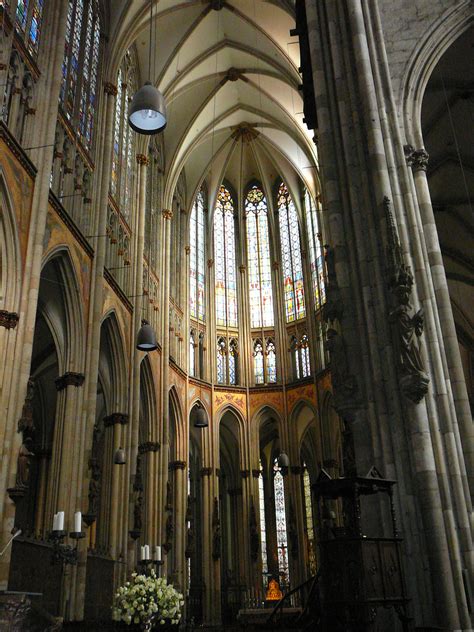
[(69, 336), (10, 257), (176, 421), (424, 59), (115, 377), (148, 410)]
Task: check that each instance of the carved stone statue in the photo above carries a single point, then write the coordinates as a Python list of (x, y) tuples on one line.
[(137, 511), (333, 307), (169, 528), (24, 464), (94, 489), (169, 496), (25, 423), (344, 383)]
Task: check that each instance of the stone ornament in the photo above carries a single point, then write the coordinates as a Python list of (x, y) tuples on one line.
[(407, 325), (9, 320)]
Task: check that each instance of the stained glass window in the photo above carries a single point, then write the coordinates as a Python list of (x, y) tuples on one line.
[(304, 354), (258, 256), (308, 505), (123, 153), (28, 17), (224, 255), (291, 256), (197, 270), (281, 533), (233, 356), (315, 250), (271, 361), (21, 14), (258, 362), (221, 361), (78, 93), (263, 532)]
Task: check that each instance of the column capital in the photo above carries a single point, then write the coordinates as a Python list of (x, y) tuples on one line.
[(110, 88), (177, 465), (255, 473), (167, 213), (417, 159), (115, 418), (210, 263), (142, 160), (187, 249), (9, 320), (276, 265), (244, 473), (69, 379), (148, 446), (206, 471), (242, 268)]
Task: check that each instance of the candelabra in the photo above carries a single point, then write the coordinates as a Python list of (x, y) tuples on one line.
[(65, 553), (146, 563)]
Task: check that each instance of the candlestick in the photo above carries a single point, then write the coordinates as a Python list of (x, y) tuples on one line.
[(60, 521), (77, 521), (142, 553), (147, 552), (157, 553)]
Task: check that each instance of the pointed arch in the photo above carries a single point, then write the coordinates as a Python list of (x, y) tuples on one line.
[(112, 352), (148, 407), (10, 258)]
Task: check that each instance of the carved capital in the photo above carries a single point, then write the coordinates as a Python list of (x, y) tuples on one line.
[(206, 471), (142, 160), (242, 268), (148, 446), (210, 263), (187, 249), (116, 418), (255, 473), (177, 465), (420, 160), (9, 320), (69, 379), (167, 214), (244, 473), (110, 88)]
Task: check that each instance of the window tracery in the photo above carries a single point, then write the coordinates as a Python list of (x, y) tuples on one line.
[(309, 521), (293, 285), (28, 20), (258, 362), (315, 250), (224, 255), (197, 231), (258, 256), (78, 91), (281, 532)]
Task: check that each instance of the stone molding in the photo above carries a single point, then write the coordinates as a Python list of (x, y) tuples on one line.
[(116, 418), (9, 320), (70, 378), (142, 160), (417, 159), (167, 214), (206, 471)]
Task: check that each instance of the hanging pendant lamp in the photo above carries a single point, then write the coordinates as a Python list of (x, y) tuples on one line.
[(146, 337), (200, 420), (147, 113)]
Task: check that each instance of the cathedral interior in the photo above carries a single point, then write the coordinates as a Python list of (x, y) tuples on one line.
[(246, 340)]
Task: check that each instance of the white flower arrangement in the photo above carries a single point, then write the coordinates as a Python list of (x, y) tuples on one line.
[(147, 598)]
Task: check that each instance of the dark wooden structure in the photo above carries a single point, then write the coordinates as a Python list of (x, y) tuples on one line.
[(361, 575)]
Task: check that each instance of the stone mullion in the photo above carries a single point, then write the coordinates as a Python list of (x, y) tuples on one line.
[(53, 51), (242, 517)]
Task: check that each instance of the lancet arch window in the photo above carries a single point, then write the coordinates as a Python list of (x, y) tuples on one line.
[(192, 353), (197, 270), (263, 526), (264, 360), (281, 531), (78, 91), (292, 265), (309, 521), (316, 256), (224, 257), (28, 21), (123, 153), (227, 361), (258, 257)]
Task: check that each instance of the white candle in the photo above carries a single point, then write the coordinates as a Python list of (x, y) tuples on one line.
[(142, 552), (77, 522), (147, 552), (55, 522), (157, 553), (60, 523)]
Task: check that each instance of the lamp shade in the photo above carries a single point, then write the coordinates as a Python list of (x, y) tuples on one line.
[(200, 419), (283, 460), (146, 338), (119, 457), (147, 113)]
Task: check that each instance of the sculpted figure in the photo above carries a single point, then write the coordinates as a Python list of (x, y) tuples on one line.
[(24, 464)]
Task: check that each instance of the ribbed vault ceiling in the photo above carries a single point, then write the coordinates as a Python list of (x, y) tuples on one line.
[(229, 73)]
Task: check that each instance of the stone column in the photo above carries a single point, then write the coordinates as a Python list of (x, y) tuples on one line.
[(179, 544)]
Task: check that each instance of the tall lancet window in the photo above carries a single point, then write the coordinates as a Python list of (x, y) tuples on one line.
[(258, 255), (224, 257), (291, 256), (308, 507), (315, 250), (263, 528), (280, 515), (78, 92), (197, 270), (28, 22)]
